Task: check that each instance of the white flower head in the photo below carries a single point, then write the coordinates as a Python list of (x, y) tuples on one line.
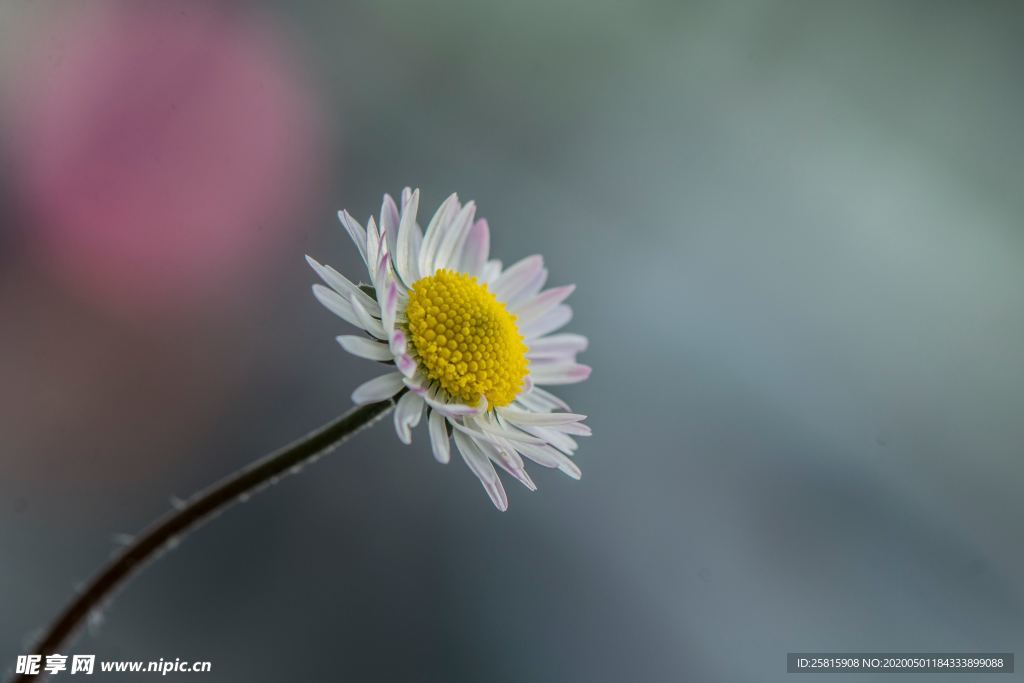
[(471, 343)]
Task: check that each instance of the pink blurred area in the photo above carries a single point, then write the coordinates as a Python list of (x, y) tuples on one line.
[(161, 159), (161, 153)]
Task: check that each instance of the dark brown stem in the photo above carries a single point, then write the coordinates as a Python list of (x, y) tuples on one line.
[(194, 512)]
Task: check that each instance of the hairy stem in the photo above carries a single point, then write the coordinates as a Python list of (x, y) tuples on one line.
[(198, 509)]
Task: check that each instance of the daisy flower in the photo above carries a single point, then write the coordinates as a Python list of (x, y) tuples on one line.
[(470, 344)]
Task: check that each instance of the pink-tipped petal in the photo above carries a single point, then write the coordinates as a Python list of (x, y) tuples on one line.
[(399, 343), (406, 365)]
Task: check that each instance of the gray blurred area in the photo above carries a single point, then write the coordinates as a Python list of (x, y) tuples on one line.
[(796, 233)]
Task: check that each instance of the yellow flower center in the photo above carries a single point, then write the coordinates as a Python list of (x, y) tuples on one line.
[(466, 339)]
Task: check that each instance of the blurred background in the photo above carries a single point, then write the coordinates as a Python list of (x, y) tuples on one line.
[(796, 232)]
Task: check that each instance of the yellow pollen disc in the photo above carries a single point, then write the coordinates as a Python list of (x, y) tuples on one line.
[(466, 339)]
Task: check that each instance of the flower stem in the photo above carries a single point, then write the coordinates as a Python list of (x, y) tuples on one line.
[(197, 510)]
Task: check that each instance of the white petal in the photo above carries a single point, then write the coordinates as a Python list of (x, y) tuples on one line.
[(455, 237), (389, 307), (407, 415), (356, 231), (384, 275), (503, 452), (494, 435), (551, 398), (439, 440), (517, 276), (474, 457), (547, 323), (508, 459), (537, 306), (373, 247), (562, 442), (366, 321), (541, 419), (364, 347), (448, 409), (543, 455), (563, 345), (530, 401), (476, 248), (575, 428), (483, 469), (418, 383), (527, 290), (522, 475), (567, 466), (389, 221), (409, 239), (493, 431), (378, 389), (342, 285), (496, 491), (559, 373), (491, 271), (549, 457), (436, 230), (336, 304)]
